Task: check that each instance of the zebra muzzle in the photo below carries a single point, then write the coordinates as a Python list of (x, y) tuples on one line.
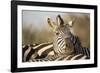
[(69, 46)]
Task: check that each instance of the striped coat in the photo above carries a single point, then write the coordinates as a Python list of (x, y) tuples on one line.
[(45, 52)]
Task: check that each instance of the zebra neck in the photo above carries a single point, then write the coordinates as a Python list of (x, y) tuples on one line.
[(74, 40)]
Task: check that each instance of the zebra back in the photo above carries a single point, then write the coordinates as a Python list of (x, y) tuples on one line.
[(78, 48), (36, 51), (61, 58)]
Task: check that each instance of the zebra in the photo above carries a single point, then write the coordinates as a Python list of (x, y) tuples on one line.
[(36, 51), (44, 52), (66, 43), (65, 46), (61, 58)]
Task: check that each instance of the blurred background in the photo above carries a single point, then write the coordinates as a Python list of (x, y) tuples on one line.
[(35, 28)]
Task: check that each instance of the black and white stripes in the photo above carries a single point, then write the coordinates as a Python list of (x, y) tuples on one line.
[(44, 52), (78, 49), (61, 58), (36, 51)]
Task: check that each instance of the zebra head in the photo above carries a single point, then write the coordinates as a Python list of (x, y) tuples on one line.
[(63, 33), (60, 28)]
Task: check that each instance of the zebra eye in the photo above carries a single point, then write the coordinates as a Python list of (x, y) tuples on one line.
[(57, 33)]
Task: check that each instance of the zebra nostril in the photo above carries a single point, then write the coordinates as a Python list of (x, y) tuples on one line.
[(67, 44)]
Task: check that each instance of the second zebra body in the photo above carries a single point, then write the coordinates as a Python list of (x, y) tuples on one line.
[(44, 52)]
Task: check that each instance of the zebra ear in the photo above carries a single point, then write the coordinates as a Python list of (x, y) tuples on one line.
[(60, 20), (51, 24), (70, 23)]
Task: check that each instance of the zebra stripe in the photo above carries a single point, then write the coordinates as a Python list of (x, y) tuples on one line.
[(28, 52), (31, 54), (78, 49), (59, 45), (62, 58), (36, 51)]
